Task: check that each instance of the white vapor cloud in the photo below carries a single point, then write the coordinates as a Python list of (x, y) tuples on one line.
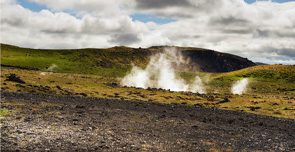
[(161, 73), (240, 87), (263, 31)]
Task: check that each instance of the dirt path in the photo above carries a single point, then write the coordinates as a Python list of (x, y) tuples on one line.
[(55, 123)]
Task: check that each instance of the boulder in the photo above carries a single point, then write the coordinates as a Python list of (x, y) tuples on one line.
[(15, 78)]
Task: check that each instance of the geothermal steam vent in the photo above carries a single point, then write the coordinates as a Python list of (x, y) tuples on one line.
[(240, 87), (161, 73)]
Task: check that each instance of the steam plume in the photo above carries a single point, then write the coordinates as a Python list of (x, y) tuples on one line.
[(240, 87), (160, 73), (52, 67)]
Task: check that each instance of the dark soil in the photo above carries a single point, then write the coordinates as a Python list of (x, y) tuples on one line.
[(40, 122)]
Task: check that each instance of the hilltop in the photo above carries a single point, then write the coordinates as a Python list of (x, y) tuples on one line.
[(115, 61)]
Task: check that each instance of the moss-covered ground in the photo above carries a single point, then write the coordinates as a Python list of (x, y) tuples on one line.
[(268, 93)]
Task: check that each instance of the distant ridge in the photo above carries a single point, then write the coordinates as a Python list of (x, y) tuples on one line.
[(115, 61), (260, 63)]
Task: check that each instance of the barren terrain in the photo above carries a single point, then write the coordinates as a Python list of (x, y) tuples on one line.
[(38, 122)]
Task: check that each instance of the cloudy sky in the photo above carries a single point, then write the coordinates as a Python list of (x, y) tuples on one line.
[(262, 31)]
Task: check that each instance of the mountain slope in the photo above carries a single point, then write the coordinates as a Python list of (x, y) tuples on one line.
[(115, 61), (213, 61)]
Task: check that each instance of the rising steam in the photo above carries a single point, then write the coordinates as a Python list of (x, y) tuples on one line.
[(240, 87), (160, 73), (50, 69)]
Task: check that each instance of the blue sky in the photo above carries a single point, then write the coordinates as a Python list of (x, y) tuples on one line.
[(31, 5), (148, 18)]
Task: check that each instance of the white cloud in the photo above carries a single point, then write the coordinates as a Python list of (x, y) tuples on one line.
[(2, 2), (263, 28), (108, 7), (46, 29)]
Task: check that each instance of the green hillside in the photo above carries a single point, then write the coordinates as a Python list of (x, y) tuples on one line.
[(114, 61), (266, 78), (285, 73)]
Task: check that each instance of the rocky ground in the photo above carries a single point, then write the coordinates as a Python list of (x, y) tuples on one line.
[(38, 122)]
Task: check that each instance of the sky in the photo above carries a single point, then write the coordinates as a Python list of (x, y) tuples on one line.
[(262, 31)]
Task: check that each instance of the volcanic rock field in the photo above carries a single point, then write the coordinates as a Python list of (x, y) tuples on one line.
[(41, 122)]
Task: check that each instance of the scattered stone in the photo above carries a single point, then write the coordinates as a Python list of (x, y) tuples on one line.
[(18, 131), (254, 108), (195, 127), (143, 96), (210, 98), (254, 102), (20, 85), (70, 92), (231, 121), (198, 105), (58, 87), (115, 84), (225, 100), (151, 100), (14, 78), (80, 106), (28, 119), (83, 94), (180, 98)]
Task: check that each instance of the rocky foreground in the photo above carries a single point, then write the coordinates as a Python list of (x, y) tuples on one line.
[(39, 122)]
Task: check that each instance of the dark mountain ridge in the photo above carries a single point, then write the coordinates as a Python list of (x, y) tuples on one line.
[(212, 61)]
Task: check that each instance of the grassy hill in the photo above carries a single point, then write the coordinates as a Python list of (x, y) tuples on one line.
[(104, 62), (114, 62), (267, 79), (281, 73)]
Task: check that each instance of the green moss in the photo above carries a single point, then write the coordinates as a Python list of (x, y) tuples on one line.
[(4, 112)]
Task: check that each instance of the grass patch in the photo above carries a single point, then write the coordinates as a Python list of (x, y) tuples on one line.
[(4, 112)]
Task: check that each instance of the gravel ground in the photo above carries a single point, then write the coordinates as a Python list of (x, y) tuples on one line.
[(39, 122)]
